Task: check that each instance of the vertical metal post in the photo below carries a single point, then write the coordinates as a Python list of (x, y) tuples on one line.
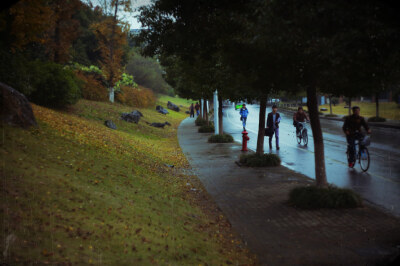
[(202, 108), (216, 125)]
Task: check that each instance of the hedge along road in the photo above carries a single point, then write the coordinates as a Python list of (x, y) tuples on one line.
[(380, 185)]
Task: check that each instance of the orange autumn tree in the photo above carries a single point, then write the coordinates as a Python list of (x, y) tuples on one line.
[(31, 19), (112, 37), (48, 23)]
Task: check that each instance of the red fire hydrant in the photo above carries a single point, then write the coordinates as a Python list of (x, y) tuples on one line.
[(245, 138)]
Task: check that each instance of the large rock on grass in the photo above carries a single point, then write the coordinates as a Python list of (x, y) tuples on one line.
[(16, 109), (132, 117), (110, 124), (161, 110), (172, 106)]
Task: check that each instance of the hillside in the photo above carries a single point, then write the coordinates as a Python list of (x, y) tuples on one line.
[(77, 192)]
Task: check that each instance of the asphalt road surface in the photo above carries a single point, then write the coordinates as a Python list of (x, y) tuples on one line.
[(380, 185)]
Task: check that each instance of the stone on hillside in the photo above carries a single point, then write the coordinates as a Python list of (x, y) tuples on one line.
[(131, 117), (137, 112), (161, 110), (172, 106), (110, 124), (16, 109), (187, 112), (161, 125)]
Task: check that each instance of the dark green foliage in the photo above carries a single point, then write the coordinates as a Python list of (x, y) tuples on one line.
[(53, 86), (200, 121), (224, 138), (312, 197), (330, 115), (255, 160), (206, 128), (148, 73), (376, 119)]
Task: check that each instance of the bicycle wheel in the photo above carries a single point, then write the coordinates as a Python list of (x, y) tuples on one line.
[(298, 137), (348, 157), (305, 137), (364, 159)]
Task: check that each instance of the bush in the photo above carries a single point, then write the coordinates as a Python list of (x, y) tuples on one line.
[(135, 97), (93, 88), (255, 160), (206, 128), (376, 119), (224, 138), (53, 86), (200, 121), (330, 115), (313, 197)]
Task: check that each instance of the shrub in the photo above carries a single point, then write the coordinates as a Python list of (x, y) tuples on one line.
[(224, 138), (330, 115), (93, 88), (313, 197), (53, 86), (136, 97), (200, 121), (255, 160), (206, 128), (376, 119)]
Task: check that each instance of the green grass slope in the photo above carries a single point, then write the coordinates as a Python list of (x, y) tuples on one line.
[(76, 192)]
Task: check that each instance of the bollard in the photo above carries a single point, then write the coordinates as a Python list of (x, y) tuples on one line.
[(245, 138)]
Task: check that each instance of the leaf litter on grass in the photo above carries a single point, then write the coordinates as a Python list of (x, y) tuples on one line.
[(74, 191)]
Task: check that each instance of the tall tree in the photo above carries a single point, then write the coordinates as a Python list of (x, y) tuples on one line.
[(112, 36)]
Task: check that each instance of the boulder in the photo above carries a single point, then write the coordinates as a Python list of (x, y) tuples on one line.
[(172, 106), (133, 116), (110, 124), (187, 112), (161, 110), (161, 125), (324, 109), (16, 109)]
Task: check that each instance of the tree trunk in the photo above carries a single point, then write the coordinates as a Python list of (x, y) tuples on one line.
[(349, 105), (220, 116), (261, 126), (377, 104), (206, 112), (319, 155), (330, 104)]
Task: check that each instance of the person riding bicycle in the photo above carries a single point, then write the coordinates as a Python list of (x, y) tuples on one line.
[(299, 116), (352, 128)]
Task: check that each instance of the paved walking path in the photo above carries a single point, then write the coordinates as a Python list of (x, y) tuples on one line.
[(254, 200)]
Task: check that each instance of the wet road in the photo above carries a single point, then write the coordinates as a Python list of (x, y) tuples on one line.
[(380, 185)]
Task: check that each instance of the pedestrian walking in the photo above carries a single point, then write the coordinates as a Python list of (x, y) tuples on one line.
[(243, 115), (191, 110), (197, 107), (273, 120)]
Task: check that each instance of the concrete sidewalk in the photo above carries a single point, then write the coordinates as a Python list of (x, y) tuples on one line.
[(254, 200)]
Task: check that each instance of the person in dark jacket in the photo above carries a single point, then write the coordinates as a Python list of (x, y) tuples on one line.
[(299, 116), (197, 107), (191, 110), (352, 128), (273, 120)]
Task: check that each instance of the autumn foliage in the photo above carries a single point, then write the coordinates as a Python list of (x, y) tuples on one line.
[(136, 97), (93, 87)]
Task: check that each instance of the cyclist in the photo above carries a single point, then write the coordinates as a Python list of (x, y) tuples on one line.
[(299, 116), (352, 128), (243, 115)]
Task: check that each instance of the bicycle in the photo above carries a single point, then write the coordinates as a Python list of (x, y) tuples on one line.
[(302, 134), (362, 155)]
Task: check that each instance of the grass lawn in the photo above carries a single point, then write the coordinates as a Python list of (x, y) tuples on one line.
[(77, 192), (387, 110), (163, 100)]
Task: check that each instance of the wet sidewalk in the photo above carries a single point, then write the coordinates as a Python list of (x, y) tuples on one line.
[(254, 200)]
